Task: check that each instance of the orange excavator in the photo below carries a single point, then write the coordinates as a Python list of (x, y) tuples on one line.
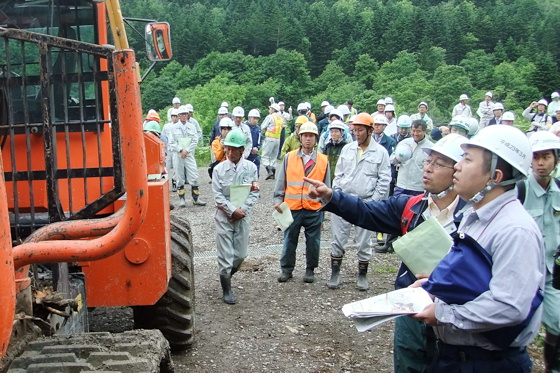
[(84, 210)]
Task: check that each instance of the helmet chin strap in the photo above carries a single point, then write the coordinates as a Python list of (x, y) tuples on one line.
[(443, 193)]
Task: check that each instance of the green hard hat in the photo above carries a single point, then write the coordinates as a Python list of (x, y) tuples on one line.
[(153, 126), (235, 138)]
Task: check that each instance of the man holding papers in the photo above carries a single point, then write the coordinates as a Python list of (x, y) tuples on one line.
[(291, 188), (414, 341), (234, 183)]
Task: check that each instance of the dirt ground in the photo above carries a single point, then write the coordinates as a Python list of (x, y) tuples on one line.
[(289, 327)]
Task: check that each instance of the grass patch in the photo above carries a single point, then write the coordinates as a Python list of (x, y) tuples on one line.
[(385, 269)]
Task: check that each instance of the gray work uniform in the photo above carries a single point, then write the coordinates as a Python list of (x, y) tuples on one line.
[(271, 145), (368, 178), (186, 171), (232, 238)]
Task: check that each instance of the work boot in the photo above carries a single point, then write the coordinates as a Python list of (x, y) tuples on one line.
[(173, 186), (273, 171), (551, 353), (234, 270), (195, 193), (334, 281), (309, 276), (284, 276), (181, 193), (269, 170), (388, 247), (363, 284), (229, 298)]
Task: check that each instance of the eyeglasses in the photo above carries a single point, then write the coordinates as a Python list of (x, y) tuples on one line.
[(435, 165)]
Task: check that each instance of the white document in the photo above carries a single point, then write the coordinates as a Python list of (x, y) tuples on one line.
[(371, 312), (283, 219), (184, 143), (238, 194)]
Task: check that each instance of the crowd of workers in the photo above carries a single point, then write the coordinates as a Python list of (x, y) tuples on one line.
[(491, 186)]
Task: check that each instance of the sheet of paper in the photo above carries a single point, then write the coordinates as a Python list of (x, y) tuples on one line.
[(184, 143), (284, 219), (424, 247), (238, 194)]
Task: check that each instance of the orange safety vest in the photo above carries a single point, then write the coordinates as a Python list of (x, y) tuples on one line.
[(278, 124), (296, 189)]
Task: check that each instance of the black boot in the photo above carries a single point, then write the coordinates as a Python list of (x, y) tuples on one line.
[(234, 270), (273, 171), (363, 284), (229, 298), (388, 247), (309, 276), (195, 193), (334, 281), (269, 170), (551, 353), (173, 185)]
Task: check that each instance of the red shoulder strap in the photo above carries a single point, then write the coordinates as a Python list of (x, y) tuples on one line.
[(407, 214)]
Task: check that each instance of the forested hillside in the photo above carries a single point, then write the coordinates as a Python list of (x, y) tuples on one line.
[(244, 51)]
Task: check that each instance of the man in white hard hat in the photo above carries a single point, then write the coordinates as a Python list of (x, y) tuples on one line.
[(291, 189), (484, 110), (176, 102), (380, 107), (462, 108), (216, 130), (541, 195), (391, 128), (272, 125), (232, 221), (322, 115), (540, 121), (497, 111), (508, 118), (253, 123), (165, 135), (554, 104), (190, 111), (486, 325), (379, 135), (423, 114), (363, 170), (414, 342), (238, 113), (183, 142)]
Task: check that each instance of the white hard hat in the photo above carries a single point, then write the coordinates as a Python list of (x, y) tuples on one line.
[(337, 124), (404, 121), (544, 140), (463, 97), (182, 109), (302, 107), (225, 104), (388, 100), (403, 151), (176, 100), (461, 122), (255, 113), (174, 112), (542, 101), (325, 103), (554, 95), (328, 109), (389, 107), (281, 103), (380, 119), (226, 122), (508, 115), (222, 110), (275, 107), (498, 106), (343, 109), (423, 103), (489, 94), (508, 143), (449, 146), (308, 105), (189, 108), (238, 112), (473, 126), (381, 102), (308, 127), (337, 113)]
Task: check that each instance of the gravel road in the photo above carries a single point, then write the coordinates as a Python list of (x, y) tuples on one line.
[(289, 327)]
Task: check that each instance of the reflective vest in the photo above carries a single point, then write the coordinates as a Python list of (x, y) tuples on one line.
[(296, 189), (278, 124)]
